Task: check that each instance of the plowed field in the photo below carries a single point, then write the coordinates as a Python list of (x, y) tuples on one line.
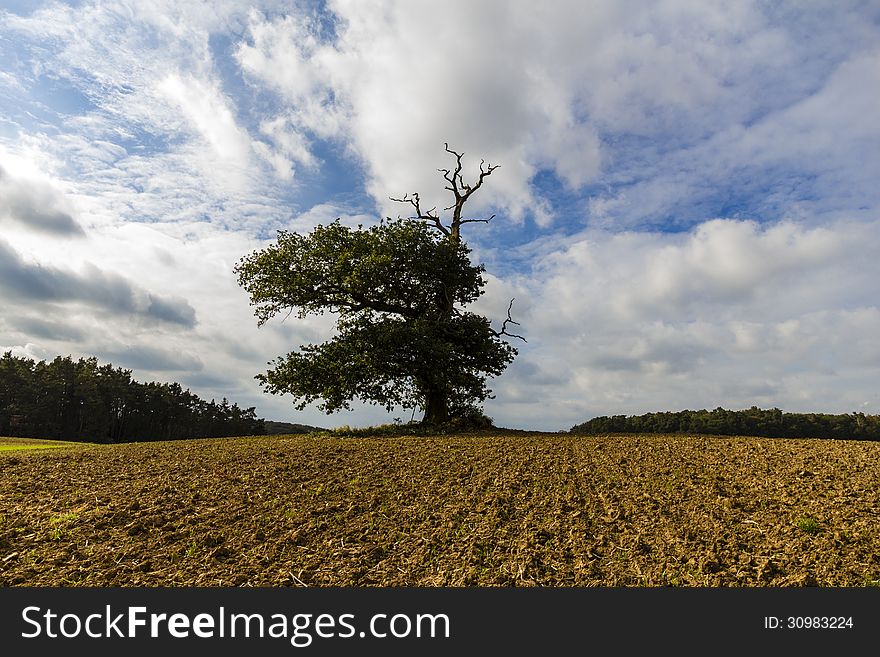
[(480, 510)]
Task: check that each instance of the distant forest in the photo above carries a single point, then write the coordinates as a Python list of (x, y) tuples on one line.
[(287, 428), (83, 401), (772, 423)]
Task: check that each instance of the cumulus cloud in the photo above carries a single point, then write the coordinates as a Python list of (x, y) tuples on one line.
[(395, 102), (106, 291), (724, 262)]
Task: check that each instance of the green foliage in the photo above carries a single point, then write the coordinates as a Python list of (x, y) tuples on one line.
[(808, 524), (772, 423), (401, 340), (389, 361), (82, 401), (395, 267)]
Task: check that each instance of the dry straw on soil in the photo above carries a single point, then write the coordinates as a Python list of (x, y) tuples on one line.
[(481, 510)]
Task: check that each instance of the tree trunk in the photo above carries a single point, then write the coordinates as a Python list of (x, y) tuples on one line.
[(436, 407)]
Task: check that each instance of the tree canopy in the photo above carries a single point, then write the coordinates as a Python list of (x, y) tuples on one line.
[(399, 290)]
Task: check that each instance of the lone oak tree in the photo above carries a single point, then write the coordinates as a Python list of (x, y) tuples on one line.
[(398, 289)]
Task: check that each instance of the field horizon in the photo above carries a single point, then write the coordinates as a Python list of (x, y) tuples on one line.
[(503, 507)]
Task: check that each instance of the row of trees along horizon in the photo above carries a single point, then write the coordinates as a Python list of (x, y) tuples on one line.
[(85, 402), (771, 423), (80, 400)]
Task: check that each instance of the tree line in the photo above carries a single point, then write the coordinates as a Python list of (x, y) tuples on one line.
[(771, 423), (83, 401)]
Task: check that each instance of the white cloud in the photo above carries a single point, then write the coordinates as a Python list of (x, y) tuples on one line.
[(209, 114), (804, 161), (288, 141)]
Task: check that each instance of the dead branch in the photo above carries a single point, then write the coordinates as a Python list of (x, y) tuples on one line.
[(461, 191), (430, 216), (507, 321), (477, 221)]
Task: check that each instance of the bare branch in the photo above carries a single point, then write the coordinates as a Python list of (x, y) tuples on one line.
[(489, 169), (455, 178), (429, 216), (476, 221), (458, 157), (412, 200), (460, 190), (507, 321), (450, 178), (485, 171)]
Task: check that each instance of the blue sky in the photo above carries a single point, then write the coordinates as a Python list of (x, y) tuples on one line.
[(687, 205)]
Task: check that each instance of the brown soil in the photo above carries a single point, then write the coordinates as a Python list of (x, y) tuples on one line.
[(499, 510)]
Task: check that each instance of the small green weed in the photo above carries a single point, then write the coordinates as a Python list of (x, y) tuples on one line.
[(63, 518), (59, 525), (808, 524)]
